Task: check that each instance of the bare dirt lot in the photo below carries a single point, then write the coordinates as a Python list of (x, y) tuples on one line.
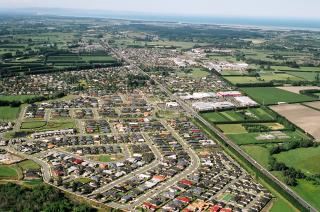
[(297, 89), (314, 105), (304, 117)]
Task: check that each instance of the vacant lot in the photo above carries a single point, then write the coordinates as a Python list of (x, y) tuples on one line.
[(271, 95), (304, 117), (297, 89)]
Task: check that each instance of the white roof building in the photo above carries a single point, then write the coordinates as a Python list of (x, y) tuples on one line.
[(245, 101)]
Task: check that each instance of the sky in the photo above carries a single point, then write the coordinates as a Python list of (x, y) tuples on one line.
[(300, 9)]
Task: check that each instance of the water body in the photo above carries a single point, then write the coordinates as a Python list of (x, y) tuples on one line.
[(307, 24)]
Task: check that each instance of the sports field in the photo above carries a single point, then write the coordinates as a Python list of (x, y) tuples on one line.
[(271, 95)]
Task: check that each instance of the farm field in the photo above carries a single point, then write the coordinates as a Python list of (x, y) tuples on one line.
[(250, 138), (305, 69), (304, 117), (232, 128), (315, 105), (271, 95), (9, 113), (297, 89), (258, 153), (253, 114), (302, 159), (309, 76)]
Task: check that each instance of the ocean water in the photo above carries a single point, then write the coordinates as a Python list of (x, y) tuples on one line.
[(261, 22)]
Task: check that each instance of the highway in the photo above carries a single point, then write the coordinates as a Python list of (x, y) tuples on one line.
[(235, 147)]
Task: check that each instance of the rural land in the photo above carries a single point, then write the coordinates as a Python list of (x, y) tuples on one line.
[(101, 114)]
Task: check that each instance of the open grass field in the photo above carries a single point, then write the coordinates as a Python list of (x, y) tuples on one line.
[(22, 98), (32, 125), (242, 79), (196, 73), (304, 117), (264, 78), (258, 153), (83, 180), (250, 138), (303, 159), (7, 172), (40, 126), (309, 76), (297, 89), (309, 192), (252, 114), (9, 113), (28, 164), (305, 69), (271, 95), (232, 128)]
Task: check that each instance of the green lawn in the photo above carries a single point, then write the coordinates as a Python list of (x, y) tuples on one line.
[(309, 192), (9, 113), (104, 158), (303, 159), (7, 172), (40, 126), (28, 164), (232, 128), (83, 180), (271, 95), (33, 124), (258, 153), (281, 205), (22, 98)]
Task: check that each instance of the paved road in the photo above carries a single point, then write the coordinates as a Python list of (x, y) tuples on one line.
[(132, 174), (45, 168), (194, 165), (193, 113)]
